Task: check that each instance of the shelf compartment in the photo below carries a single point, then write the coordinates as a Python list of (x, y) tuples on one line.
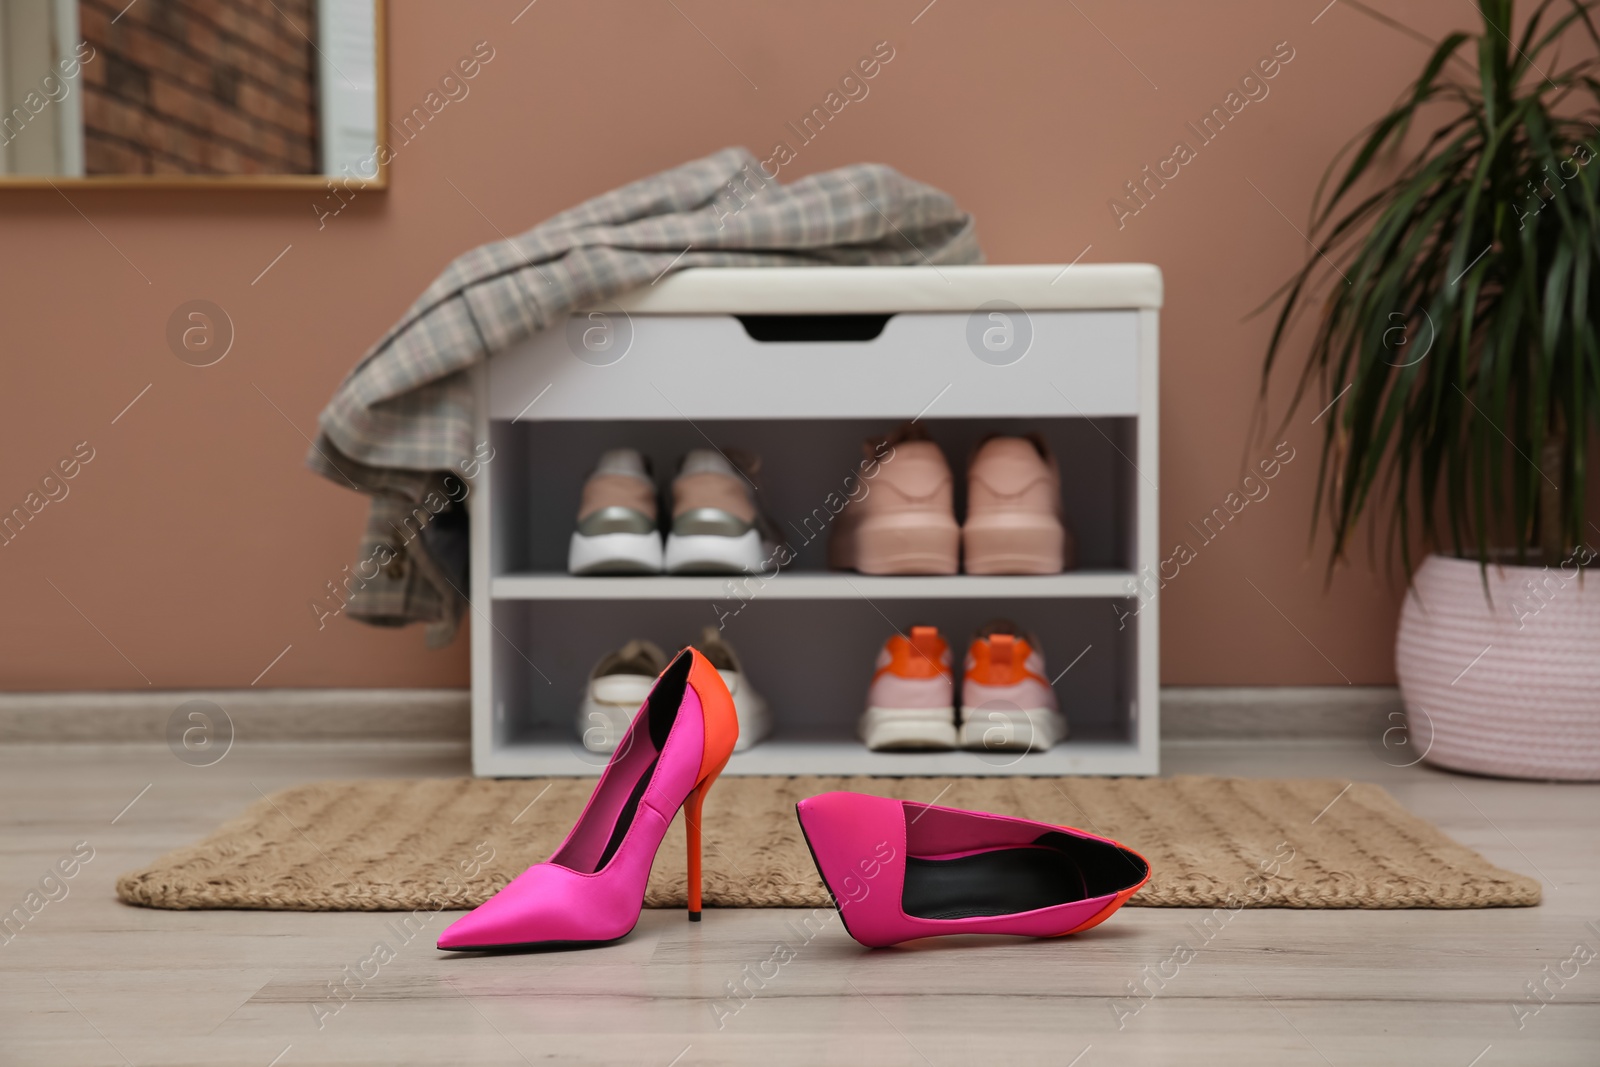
[(813, 662), (808, 469)]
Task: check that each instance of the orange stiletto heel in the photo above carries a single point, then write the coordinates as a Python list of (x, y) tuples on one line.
[(692, 822), (691, 826)]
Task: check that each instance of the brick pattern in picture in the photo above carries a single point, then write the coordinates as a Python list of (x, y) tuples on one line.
[(200, 87)]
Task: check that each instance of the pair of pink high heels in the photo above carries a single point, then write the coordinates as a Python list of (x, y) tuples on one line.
[(897, 870)]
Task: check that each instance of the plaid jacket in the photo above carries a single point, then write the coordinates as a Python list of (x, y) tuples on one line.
[(400, 428)]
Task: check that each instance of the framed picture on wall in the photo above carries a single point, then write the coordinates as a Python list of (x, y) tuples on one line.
[(231, 93)]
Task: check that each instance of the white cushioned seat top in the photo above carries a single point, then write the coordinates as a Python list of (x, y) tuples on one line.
[(839, 290)]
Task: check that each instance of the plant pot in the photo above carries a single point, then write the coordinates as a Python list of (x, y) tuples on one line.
[(1506, 683)]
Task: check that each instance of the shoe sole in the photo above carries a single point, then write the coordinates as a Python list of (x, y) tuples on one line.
[(1011, 730), (1014, 544), (615, 553), (909, 729), (713, 554), (912, 543), (532, 946)]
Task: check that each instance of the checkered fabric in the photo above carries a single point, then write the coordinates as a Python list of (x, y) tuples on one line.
[(400, 428)]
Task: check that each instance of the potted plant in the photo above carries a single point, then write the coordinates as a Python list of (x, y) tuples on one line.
[(1458, 354)]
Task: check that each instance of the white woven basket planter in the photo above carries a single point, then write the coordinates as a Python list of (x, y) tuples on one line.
[(1507, 684)]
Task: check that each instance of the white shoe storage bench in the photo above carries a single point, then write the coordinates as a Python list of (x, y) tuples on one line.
[(799, 365)]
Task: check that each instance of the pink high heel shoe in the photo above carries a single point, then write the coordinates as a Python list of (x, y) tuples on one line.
[(899, 870), (592, 889)]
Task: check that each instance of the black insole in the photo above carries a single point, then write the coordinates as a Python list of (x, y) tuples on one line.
[(625, 816), (1001, 882), (1005, 881)]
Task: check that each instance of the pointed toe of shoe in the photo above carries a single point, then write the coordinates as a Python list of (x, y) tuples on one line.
[(543, 906), (498, 923), (858, 843), (472, 930)]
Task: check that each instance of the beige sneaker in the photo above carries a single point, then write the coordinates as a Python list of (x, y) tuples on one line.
[(617, 687), (755, 720)]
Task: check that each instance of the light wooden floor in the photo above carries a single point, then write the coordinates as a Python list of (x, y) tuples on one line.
[(90, 981)]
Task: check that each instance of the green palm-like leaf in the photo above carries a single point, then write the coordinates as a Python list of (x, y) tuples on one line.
[(1484, 244)]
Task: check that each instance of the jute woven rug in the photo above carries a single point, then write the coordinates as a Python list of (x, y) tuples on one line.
[(430, 844)]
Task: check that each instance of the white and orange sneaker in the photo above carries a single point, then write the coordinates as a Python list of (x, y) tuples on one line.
[(911, 702), (1007, 703)]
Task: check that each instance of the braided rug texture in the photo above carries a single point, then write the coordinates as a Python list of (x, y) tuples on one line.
[(432, 844)]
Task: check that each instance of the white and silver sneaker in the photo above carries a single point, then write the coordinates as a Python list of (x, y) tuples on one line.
[(717, 526), (617, 529)]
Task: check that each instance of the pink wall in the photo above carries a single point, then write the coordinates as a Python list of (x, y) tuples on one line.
[(194, 539)]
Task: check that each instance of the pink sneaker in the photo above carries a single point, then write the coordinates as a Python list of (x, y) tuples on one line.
[(899, 870), (1007, 702), (911, 702), (906, 522), (1014, 523)]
